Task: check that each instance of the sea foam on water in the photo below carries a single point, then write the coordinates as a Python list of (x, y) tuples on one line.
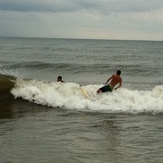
[(70, 96)]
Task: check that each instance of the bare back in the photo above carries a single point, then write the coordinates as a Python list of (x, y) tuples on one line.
[(115, 80)]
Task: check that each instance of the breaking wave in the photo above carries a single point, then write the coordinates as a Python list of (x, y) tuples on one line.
[(70, 96)]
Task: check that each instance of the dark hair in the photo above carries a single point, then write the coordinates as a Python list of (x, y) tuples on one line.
[(119, 72), (60, 77)]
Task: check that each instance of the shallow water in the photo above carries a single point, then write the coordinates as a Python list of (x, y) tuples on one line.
[(31, 133)]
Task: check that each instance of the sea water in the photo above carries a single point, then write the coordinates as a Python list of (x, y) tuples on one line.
[(42, 120)]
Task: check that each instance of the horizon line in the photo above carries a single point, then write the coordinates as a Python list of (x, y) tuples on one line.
[(102, 39)]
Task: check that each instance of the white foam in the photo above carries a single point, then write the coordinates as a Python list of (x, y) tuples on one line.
[(70, 96)]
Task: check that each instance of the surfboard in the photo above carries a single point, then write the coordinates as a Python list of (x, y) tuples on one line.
[(84, 92)]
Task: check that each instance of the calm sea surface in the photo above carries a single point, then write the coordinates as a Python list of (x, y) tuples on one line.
[(42, 121)]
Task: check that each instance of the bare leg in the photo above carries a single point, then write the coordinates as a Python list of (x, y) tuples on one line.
[(99, 90)]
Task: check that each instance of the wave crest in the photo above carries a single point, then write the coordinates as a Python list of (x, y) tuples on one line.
[(70, 96)]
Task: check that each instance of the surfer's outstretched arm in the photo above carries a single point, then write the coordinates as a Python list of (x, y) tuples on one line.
[(109, 79)]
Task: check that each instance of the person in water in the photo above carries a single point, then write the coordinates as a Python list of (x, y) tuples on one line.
[(59, 79), (115, 79)]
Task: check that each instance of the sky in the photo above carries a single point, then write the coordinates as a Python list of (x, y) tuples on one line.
[(85, 19)]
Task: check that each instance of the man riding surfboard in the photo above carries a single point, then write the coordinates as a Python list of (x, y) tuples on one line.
[(115, 79)]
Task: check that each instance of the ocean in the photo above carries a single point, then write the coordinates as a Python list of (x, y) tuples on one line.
[(44, 121)]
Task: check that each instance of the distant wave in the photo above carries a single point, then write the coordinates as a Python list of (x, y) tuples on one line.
[(37, 64), (70, 96), (75, 68), (72, 67)]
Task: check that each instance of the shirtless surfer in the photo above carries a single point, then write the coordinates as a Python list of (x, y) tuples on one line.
[(115, 79)]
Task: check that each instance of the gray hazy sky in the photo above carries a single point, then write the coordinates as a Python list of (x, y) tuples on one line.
[(94, 19)]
